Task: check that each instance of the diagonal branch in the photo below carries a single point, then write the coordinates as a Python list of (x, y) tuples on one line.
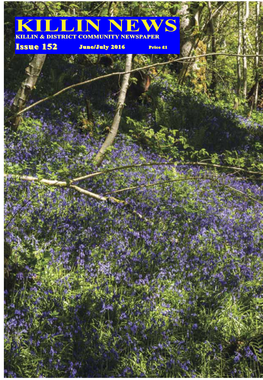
[(212, 17), (90, 194), (117, 117)]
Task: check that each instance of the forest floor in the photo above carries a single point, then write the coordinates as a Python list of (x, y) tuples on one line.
[(92, 289)]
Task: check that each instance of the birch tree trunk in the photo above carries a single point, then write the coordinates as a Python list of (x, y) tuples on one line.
[(191, 44), (245, 17), (213, 40), (117, 118), (239, 52), (260, 43), (187, 23), (257, 46), (111, 9), (32, 71)]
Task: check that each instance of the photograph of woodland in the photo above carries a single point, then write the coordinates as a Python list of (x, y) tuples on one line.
[(133, 243)]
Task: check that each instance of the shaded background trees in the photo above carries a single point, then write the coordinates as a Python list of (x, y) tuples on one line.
[(205, 28)]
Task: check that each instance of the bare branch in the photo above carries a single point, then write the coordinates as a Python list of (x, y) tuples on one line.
[(117, 117), (35, 179), (90, 194), (187, 179), (169, 163), (213, 16), (150, 185)]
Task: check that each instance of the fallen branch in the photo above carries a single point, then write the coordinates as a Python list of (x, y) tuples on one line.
[(49, 182), (167, 163), (195, 178), (149, 185), (80, 190)]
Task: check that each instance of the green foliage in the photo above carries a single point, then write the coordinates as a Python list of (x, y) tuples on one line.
[(184, 124)]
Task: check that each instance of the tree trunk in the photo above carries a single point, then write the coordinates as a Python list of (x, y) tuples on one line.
[(191, 45), (257, 46), (111, 9), (239, 52), (32, 71), (245, 17), (187, 23), (213, 41), (117, 118)]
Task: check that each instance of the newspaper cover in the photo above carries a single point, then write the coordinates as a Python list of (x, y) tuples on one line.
[(133, 198)]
